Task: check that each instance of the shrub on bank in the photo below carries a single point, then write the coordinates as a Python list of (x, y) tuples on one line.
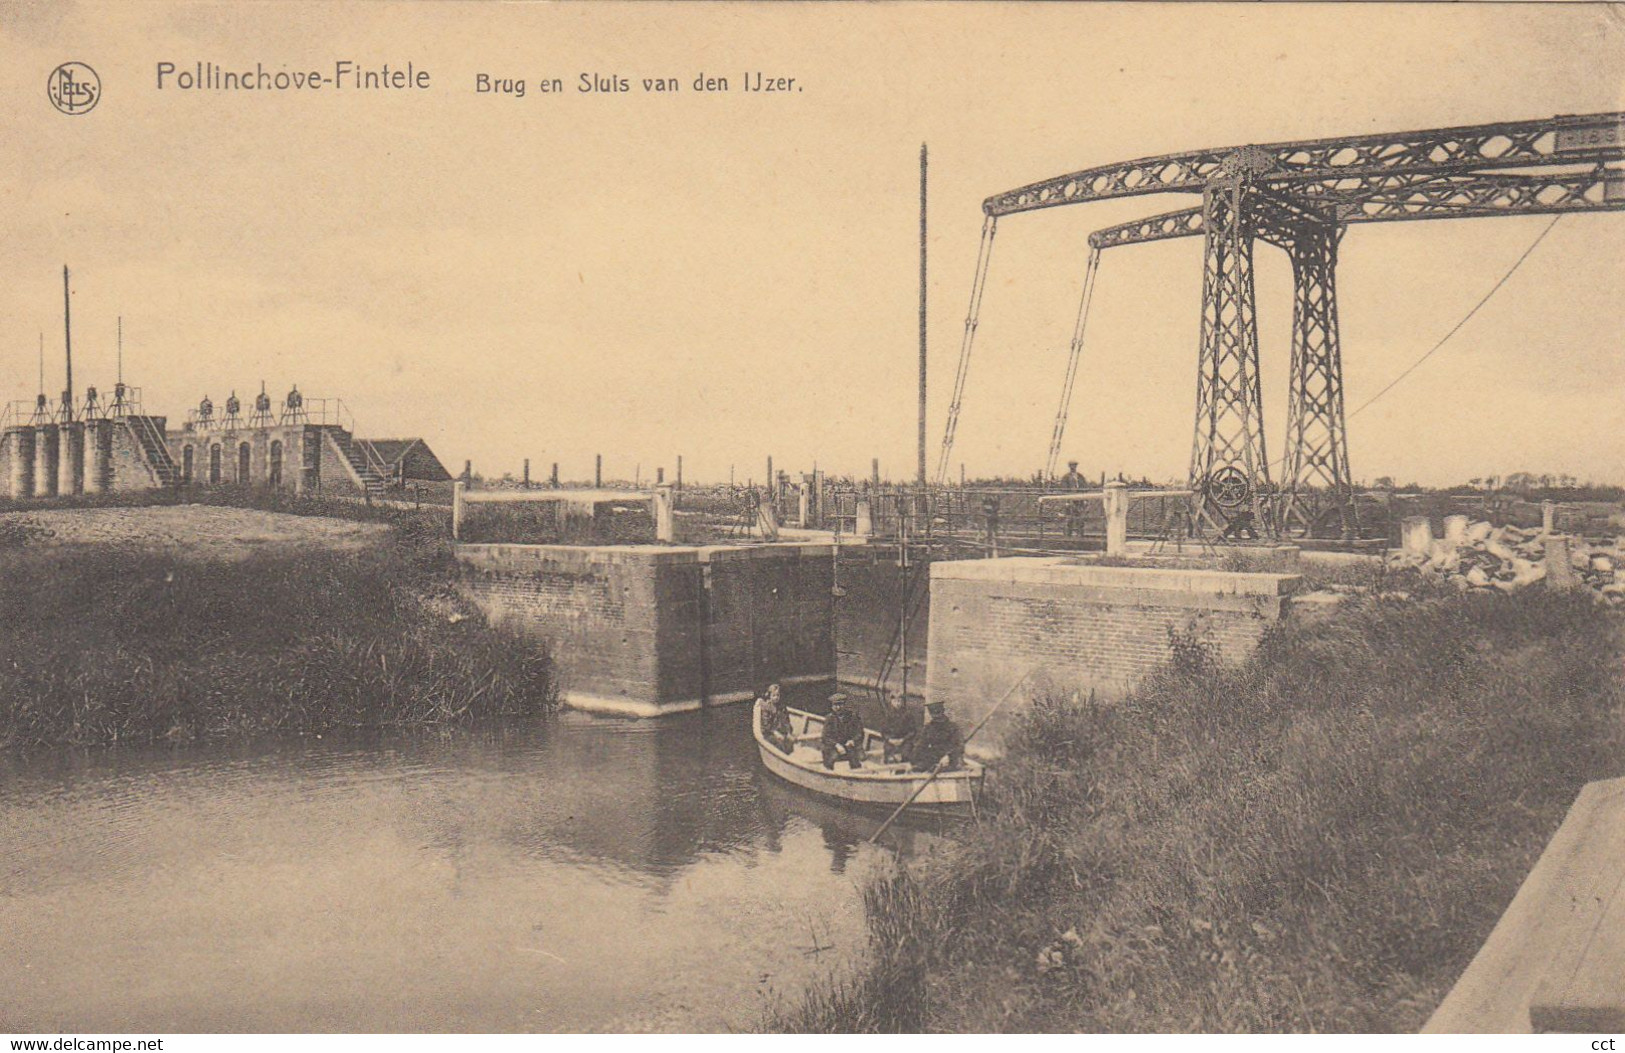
[(1318, 840), (105, 644)]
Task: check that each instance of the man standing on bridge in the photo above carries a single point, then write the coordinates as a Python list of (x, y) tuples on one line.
[(1073, 480)]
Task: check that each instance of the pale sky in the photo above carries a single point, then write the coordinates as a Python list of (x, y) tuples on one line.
[(732, 276)]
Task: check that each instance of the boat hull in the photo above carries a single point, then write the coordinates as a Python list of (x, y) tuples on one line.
[(873, 785)]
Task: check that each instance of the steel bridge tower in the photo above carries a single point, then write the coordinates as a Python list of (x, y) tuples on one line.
[(1301, 197)]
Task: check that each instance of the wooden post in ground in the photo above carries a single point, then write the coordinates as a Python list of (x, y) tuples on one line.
[(527, 473), (554, 479), (598, 471), (457, 489)]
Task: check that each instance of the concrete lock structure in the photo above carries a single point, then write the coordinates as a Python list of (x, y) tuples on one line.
[(651, 630), (1082, 627)]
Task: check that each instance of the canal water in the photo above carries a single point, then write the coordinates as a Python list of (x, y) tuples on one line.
[(572, 874)]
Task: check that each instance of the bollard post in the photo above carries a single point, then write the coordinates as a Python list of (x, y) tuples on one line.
[(1415, 535), (865, 519), (1115, 500), (457, 489), (802, 503), (665, 521)]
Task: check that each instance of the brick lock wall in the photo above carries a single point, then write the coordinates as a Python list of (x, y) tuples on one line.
[(1079, 627)]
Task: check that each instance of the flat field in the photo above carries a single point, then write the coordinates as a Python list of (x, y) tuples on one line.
[(209, 531)]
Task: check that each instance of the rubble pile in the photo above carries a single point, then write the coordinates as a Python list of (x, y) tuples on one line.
[(1481, 556)]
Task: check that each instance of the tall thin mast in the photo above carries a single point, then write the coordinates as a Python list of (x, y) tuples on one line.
[(67, 338), (920, 476)]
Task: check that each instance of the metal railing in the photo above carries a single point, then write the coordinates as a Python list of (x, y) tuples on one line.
[(26, 411)]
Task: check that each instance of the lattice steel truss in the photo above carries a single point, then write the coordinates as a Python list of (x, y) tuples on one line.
[(1300, 197)]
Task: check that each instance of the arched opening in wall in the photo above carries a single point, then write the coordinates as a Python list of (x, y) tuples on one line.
[(214, 465), (274, 476), (186, 464), (244, 462)]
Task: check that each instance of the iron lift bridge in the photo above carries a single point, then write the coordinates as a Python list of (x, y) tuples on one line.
[(1301, 197)]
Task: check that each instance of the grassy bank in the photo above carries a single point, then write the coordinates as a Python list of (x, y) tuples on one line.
[(1319, 840), (104, 644)]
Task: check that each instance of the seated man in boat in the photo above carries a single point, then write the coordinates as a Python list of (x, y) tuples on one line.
[(776, 721), (900, 725), (939, 741), (843, 734)]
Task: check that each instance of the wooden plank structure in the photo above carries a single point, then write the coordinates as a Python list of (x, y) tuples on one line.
[(1556, 959)]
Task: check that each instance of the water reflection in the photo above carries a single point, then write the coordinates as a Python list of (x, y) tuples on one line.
[(573, 874)]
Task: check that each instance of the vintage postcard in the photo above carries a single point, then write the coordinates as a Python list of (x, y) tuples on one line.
[(857, 517)]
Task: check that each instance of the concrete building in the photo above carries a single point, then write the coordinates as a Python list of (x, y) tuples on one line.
[(307, 447)]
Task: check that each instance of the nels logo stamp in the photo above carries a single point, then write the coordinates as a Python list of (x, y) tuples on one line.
[(74, 88)]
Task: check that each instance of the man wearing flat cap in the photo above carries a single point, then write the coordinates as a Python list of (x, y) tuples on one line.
[(843, 734)]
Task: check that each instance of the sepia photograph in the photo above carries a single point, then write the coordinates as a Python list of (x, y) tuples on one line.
[(732, 517)]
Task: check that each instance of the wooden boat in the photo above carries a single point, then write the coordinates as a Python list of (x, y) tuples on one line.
[(876, 782)]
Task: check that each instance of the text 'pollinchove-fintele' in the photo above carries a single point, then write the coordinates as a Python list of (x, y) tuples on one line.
[(343, 75)]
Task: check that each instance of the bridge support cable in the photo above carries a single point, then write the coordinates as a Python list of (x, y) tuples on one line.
[(983, 257), (1073, 356), (1229, 467)]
